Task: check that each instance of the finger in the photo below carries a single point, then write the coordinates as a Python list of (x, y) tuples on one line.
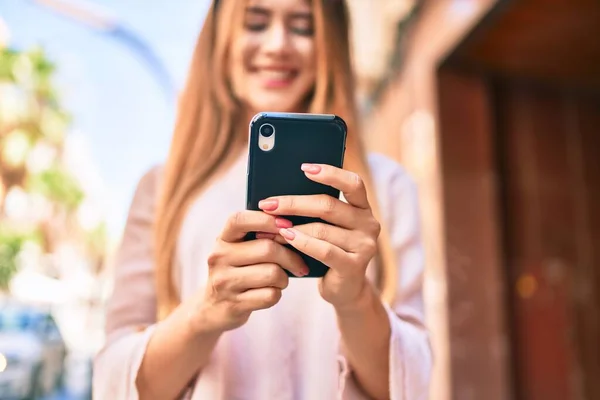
[(243, 222), (258, 276), (327, 253), (345, 239), (349, 183), (257, 299), (279, 239), (321, 206), (264, 235), (266, 251)]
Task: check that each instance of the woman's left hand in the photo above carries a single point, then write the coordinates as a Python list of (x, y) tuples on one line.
[(347, 245)]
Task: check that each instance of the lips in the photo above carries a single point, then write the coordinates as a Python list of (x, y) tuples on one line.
[(276, 77), (281, 75)]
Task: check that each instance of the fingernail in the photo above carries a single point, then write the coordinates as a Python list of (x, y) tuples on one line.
[(283, 223), (267, 205), (311, 168), (288, 234), (265, 235), (304, 271)]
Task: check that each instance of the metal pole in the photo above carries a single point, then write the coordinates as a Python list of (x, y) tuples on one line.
[(103, 22)]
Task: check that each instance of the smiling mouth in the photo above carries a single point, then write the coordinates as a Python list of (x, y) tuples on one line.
[(274, 78)]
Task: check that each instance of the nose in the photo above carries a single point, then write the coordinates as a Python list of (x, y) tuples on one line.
[(277, 40)]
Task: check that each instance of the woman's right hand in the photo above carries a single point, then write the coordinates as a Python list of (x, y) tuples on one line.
[(244, 276)]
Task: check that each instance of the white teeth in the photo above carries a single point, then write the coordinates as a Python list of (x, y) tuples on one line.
[(276, 75)]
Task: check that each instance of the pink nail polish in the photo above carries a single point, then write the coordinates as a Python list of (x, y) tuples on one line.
[(268, 205), (283, 223), (311, 168), (287, 234)]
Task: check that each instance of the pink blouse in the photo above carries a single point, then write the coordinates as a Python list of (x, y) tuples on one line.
[(290, 351)]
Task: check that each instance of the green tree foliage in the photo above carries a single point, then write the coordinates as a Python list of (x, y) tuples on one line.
[(33, 126)]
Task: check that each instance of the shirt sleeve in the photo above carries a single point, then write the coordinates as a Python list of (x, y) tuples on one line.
[(410, 352), (131, 310)]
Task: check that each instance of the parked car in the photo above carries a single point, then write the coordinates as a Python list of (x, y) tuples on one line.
[(32, 352)]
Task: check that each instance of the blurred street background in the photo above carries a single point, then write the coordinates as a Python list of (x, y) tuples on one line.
[(493, 106)]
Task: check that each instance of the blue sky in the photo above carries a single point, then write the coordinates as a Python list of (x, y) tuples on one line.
[(120, 111)]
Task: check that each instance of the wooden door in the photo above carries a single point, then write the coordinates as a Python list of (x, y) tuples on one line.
[(548, 142)]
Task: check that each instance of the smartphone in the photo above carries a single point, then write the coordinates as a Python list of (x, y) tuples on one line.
[(278, 145)]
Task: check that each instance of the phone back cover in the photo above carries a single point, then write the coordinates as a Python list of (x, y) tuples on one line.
[(299, 138)]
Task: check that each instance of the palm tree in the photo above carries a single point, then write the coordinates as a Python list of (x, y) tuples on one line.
[(39, 197)]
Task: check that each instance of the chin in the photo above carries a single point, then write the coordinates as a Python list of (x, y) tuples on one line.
[(283, 105)]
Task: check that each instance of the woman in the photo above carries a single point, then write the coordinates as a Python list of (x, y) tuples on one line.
[(198, 312)]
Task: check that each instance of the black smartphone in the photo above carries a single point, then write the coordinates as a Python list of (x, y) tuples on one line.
[(278, 145)]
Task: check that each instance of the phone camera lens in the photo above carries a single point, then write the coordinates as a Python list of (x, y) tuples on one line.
[(266, 130)]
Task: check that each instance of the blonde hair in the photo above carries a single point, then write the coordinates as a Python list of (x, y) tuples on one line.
[(206, 137)]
